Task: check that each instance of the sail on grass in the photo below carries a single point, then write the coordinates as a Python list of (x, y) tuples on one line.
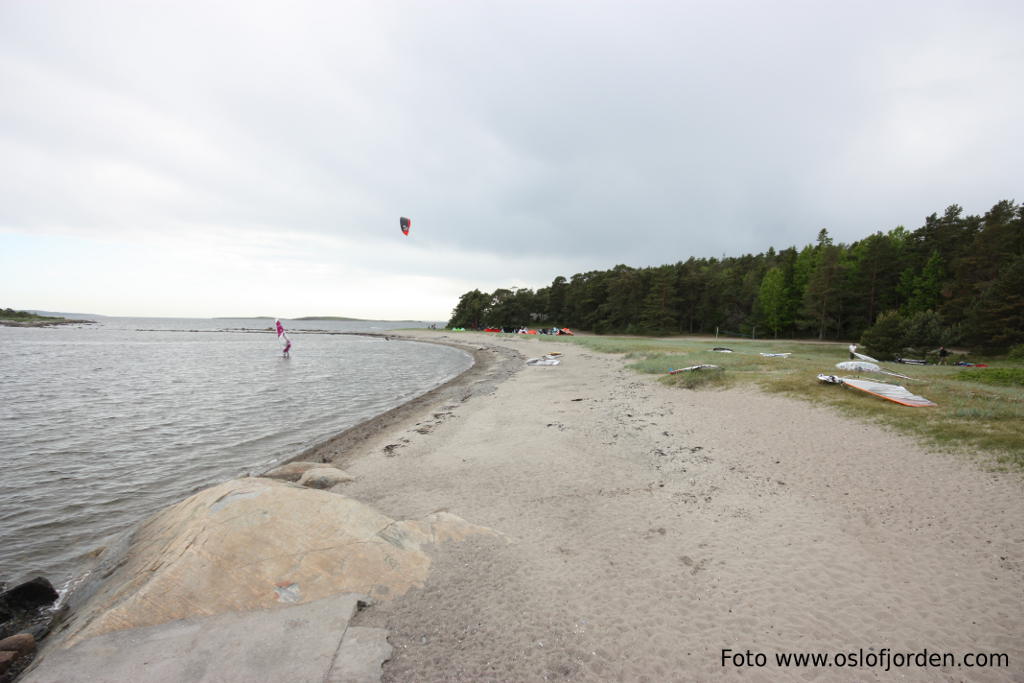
[(864, 366), (890, 392)]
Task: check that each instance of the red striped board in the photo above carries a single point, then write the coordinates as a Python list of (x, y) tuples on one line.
[(890, 392), (692, 368)]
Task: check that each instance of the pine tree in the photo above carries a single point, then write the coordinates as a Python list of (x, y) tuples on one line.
[(997, 321), (658, 315), (926, 290), (772, 300), (821, 296)]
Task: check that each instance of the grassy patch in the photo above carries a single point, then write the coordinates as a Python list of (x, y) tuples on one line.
[(978, 408), (1005, 377), (25, 316), (696, 379)]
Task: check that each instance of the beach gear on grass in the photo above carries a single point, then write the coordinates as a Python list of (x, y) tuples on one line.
[(890, 392), (864, 366), (692, 368), (870, 360)]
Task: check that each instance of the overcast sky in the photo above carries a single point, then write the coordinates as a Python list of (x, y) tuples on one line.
[(235, 158)]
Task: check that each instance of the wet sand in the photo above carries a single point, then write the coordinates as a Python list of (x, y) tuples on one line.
[(649, 528)]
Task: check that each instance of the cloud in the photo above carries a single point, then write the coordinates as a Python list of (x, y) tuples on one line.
[(525, 140)]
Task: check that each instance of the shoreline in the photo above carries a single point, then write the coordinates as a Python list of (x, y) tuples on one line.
[(44, 323), (642, 529), (490, 367)]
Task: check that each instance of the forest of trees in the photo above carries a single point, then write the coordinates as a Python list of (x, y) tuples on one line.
[(955, 280)]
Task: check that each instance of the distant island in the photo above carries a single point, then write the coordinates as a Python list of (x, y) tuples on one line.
[(329, 317), (12, 318)]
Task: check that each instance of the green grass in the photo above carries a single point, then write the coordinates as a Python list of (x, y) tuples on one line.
[(703, 378), (979, 409), (1006, 377), (25, 316)]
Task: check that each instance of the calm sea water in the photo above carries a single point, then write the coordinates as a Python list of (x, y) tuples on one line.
[(102, 425)]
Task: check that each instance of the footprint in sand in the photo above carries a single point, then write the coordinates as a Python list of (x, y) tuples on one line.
[(694, 566)]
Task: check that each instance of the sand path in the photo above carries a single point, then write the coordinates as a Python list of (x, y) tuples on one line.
[(650, 528)]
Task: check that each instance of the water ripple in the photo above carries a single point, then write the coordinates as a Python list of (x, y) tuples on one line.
[(103, 425)]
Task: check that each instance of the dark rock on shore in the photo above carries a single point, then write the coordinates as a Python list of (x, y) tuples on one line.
[(25, 617), (22, 643), (29, 595), (15, 655), (26, 608)]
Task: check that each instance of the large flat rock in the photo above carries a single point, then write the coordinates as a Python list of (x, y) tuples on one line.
[(256, 543), (299, 643)]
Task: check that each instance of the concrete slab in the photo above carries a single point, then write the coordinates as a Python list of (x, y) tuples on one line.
[(296, 643), (360, 656)]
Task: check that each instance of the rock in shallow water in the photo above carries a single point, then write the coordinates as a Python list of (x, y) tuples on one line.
[(26, 607), (30, 595)]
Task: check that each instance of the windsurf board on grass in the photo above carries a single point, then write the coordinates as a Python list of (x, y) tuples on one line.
[(549, 359), (864, 366), (776, 355), (890, 392), (692, 368)]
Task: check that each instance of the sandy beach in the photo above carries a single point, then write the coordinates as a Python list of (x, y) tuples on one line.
[(573, 522), (646, 529)]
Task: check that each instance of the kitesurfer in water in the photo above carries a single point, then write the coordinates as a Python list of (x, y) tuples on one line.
[(282, 337)]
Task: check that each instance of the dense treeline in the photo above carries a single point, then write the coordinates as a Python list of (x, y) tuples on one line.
[(956, 279)]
